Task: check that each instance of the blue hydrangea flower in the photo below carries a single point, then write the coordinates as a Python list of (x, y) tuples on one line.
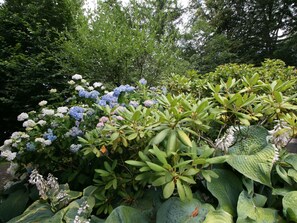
[(76, 112), (94, 94), (143, 81), (30, 146), (83, 93), (123, 88), (49, 135)]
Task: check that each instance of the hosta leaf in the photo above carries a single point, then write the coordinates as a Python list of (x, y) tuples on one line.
[(249, 212), (256, 167), (36, 212), (226, 188), (218, 216), (289, 204), (124, 214), (175, 211)]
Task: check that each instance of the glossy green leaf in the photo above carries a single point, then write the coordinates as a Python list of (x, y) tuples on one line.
[(168, 189), (289, 204)]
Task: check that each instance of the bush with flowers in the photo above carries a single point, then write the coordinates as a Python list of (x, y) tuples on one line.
[(142, 154)]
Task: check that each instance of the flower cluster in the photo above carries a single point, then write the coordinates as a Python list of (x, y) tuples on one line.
[(86, 94), (80, 218), (43, 185), (77, 112), (281, 134), (226, 140)]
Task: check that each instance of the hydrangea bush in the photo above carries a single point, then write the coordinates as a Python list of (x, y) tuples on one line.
[(215, 157)]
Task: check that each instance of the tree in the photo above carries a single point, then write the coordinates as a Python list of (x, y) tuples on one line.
[(254, 29), (121, 45), (31, 33)]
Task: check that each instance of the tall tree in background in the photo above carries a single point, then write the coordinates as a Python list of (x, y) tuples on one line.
[(254, 29), (31, 33), (123, 44)]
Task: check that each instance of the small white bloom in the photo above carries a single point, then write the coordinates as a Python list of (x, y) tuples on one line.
[(226, 140), (42, 103), (41, 122), (97, 84), (8, 155), (29, 124), (62, 110), (53, 90), (22, 117), (102, 88), (90, 88), (83, 81), (47, 142), (41, 140), (281, 134), (49, 112), (76, 77), (276, 154), (24, 135), (71, 82), (8, 142), (60, 115), (78, 88)]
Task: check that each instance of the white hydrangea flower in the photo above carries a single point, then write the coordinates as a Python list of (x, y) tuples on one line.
[(8, 155), (16, 135), (46, 111), (90, 88), (22, 117), (83, 81), (24, 135), (41, 122), (62, 110), (53, 90), (71, 82), (78, 88), (60, 115), (76, 77), (8, 142), (42, 103), (29, 124), (97, 84)]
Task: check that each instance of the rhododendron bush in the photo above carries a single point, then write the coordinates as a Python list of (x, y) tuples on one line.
[(136, 152)]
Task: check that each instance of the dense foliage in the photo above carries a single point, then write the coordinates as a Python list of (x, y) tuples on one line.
[(143, 153)]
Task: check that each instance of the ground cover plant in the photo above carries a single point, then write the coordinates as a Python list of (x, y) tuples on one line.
[(215, 150)]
